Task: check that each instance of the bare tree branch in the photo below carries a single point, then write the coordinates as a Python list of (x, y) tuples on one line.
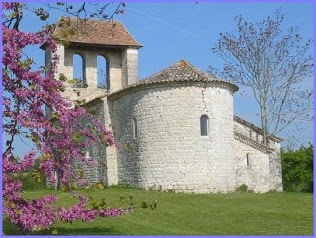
[(272, 63)]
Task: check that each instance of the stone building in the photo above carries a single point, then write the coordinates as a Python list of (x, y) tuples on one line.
[(175, 129)]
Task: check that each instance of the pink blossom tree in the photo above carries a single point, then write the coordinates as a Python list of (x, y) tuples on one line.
[(58, 139)]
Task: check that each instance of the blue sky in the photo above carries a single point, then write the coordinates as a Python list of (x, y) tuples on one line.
[(173, 31)]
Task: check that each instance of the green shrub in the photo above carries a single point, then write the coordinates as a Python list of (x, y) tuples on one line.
[(242, 188), (29, 182), (297, 169)]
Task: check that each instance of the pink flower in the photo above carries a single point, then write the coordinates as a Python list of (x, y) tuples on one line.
[(27, 92)]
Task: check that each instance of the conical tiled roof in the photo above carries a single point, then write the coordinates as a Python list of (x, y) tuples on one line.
[(96, 32), (181, 71)]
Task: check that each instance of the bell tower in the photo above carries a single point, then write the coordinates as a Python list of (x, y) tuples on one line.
[(81, 42)]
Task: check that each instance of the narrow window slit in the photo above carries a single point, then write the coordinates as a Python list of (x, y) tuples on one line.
[(135, 132), (204, 125)]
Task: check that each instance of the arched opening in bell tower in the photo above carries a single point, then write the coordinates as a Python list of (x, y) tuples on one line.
[(79, 71), (102, 72)]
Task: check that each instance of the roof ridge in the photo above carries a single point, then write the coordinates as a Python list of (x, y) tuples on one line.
[(90, 19)]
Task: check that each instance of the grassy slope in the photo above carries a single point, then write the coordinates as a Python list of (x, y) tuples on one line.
[(193, 214)]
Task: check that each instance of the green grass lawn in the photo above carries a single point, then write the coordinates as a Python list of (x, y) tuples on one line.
[(239, 213)]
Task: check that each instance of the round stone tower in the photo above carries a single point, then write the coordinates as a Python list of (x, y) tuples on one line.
[(178, 131)]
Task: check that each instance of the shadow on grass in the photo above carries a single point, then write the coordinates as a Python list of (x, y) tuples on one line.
[(9, 229), (91, 230)]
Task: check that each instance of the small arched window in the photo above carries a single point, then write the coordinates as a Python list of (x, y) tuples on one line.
[(89, 127), (204, 125), (134, 124)]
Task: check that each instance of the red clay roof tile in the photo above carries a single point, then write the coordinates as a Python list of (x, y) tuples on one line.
[(96, 32), (183, 71)]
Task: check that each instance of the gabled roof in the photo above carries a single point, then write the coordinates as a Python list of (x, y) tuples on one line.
[(95, 32)]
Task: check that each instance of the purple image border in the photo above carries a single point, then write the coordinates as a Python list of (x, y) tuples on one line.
[(313, 2)]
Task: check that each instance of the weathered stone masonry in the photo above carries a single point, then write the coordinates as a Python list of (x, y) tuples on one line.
[(169, 151), (258, 166), (175, 130)]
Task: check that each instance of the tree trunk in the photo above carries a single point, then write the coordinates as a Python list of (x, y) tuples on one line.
[(56, 180), (264, 121)]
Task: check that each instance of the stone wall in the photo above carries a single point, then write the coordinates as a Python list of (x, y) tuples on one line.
[(252, 167), (114, 74), (97, 152), (248, 132), (257, 166), (122, 70), (121, 65), (111, 152), (104, 158), (169, 151), (276, 170), (130, 67)]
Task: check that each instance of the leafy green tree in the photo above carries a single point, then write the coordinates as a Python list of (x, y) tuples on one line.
[(297, 169)]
